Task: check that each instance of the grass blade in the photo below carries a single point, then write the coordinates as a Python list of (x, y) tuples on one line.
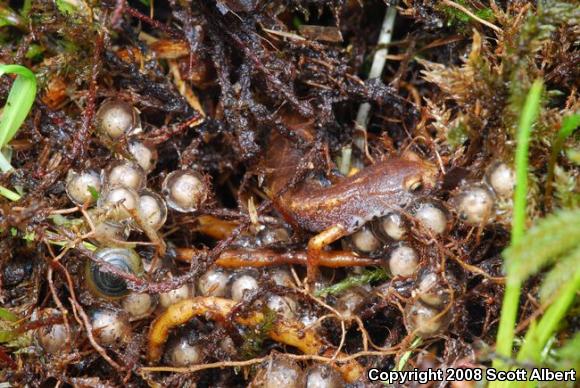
[(538, 335), (18, 104), (11, 195), (509, 310)]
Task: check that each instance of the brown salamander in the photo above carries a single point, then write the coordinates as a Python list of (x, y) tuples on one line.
[(350, 201), (339, 209)]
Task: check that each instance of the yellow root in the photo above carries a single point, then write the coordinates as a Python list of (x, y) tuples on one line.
[(286, 332)]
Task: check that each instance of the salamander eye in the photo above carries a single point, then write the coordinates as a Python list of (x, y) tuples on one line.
[(414, 184)]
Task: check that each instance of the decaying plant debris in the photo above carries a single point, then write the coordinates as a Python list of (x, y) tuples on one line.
[(257, 101)]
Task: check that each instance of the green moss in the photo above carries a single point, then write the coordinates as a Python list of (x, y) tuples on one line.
[(366, 277), (457, 18), (255, 337), (457, 135)]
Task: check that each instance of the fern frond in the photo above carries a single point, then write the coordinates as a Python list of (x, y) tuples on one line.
[(548, 239), (560, 274)]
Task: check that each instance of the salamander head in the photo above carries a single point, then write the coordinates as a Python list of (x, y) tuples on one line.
[(420, 176), (387, 185)]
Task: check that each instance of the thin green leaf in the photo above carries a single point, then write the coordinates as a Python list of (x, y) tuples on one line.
[(407, 355), (8, 315), (89, 246), (18, 104), (569, 354), (366, 277), (509, 309), (527, 119), (549, 238), (67, 7), (538, 335), (569, 125), (8, 17), (26, 7), (560, 274), (11, 195)]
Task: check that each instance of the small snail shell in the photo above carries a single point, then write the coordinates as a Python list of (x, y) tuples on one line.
[(280, 372), (432, 217), (242, 284), (125, 173), (475, 204), (78, 186), (152, 209), (138, 305), (185, 190), (182, 353), (364, 241), (106, 284), (502, 179), (120, 200), (116, 118), (403, 261), (51, 338), (323, 376), (423, 320), (169, 298), (110, 326), (145, 156), (214, 283), (392, 226)]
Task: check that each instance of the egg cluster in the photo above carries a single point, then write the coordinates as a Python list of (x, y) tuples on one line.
[(120, 189), (118, 201), (285, 372), (391, 239)]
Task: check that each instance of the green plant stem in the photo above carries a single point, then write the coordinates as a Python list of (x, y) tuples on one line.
[(11, 195), (509, 310), (538, 335), (405, 357)]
